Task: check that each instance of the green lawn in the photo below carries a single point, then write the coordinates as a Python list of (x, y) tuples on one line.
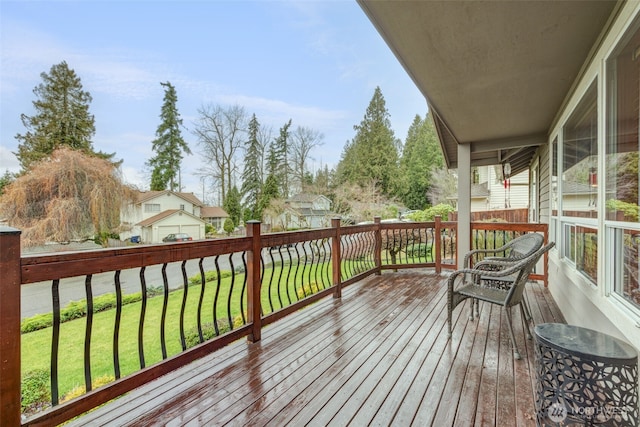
[(36, 346)]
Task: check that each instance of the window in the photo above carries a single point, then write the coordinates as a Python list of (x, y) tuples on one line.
[(627, 266), (622, 167), (622, 139), (152, 207), (181, 207), (578, 189), (579, 159)]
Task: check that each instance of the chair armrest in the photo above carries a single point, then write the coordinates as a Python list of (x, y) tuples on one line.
[(496, 268)]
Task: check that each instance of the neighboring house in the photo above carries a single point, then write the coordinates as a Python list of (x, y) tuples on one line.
[(552, 88), (488, 191), (214, 215), (156, 214), (304, 211)]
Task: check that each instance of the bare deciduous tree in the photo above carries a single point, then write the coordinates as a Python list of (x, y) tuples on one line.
[(221, 133), (443, 187), (303, 141)]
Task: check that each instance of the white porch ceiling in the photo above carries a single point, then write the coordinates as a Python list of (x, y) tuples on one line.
[(494, 73)]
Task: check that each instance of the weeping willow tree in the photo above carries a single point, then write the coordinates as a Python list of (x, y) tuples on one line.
[(70, 196)]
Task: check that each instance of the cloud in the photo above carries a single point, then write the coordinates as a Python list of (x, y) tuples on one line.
[(28, 52), (277, 112), (8, 161)]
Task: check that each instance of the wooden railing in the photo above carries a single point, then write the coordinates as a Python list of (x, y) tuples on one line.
[(238, 286)]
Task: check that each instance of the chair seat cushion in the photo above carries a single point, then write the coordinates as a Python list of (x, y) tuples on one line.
[(494, 295)]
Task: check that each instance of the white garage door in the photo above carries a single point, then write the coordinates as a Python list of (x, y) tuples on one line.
[(192, 230)]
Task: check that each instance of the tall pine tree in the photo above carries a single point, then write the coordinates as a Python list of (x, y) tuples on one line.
[(169, 145), (421, 156), (372, 156), (252, 174), (281, 168), (62, 118)]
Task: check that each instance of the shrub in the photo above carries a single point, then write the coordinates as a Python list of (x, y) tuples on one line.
[(631, 210), (192, 338), (37, 322), (78, 309), (36, 393), (430, 214), (79, 390), (228, 226), (419, 250), (210, 276), (307, 289)]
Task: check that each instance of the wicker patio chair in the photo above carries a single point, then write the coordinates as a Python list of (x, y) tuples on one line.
[(518, 248), (470, 283)]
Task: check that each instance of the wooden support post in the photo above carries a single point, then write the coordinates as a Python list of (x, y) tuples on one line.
[(545, 259), (437, 240), (377, 252), (254, 281), (336, 257), (10, 281)]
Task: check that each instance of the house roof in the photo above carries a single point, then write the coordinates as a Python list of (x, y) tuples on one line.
[(163, 215), (213, 212), (145, 196), (494, 73)]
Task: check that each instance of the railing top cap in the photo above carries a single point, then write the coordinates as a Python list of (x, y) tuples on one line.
[(9, 230)]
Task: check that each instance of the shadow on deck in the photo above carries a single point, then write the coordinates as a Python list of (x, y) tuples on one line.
[(379, 356)]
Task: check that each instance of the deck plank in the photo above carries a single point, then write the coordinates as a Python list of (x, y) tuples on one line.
[(380, 355)]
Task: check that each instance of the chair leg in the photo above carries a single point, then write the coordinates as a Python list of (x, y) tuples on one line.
[(449, 310), (516, 354), (473, 302), (523, 308), (527, 310)]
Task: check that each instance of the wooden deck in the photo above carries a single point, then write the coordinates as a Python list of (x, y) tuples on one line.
[(378, 356)]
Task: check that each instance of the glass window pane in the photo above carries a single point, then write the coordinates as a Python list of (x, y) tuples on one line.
[(623, 75), (627, 243), (579, 158), (587, 252)]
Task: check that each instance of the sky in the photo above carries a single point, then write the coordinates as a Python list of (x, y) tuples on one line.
[(314, 62)]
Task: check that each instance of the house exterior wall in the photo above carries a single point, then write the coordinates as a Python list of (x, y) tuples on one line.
[(584, 300), (177, 223), (517, 196), (134, 214)]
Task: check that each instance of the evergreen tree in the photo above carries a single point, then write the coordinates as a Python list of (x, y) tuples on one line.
[(421, 156), (252, 174), (169, 145), (280, 159), (372, 156), (232, 205), (62, 118), (269, 193), (5, 180)]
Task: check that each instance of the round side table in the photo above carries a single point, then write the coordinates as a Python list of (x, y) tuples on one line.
[(584, 377)]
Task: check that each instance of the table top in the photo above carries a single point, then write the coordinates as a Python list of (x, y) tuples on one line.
[(586, 343)]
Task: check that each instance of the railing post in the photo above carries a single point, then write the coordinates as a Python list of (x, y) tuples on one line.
[(336, 258), (10, 281), (254, 281), (377, 252), (438, 244)]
